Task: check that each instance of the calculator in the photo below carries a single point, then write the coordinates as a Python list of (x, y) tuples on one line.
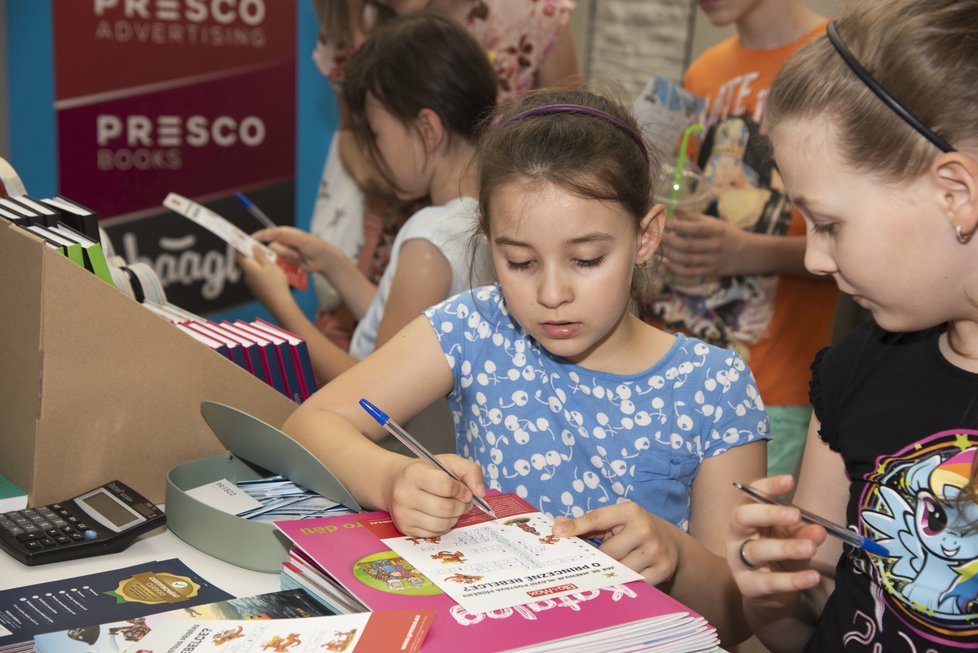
[(104, 520)]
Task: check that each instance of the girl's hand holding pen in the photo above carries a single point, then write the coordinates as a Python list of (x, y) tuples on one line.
[(633, 536), (770, 548), (308, 251), (424, 501)]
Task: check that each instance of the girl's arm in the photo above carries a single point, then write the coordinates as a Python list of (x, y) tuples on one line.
[(688, 566), (703, 579), (423, 278), (317, 255), (560, 68), (785, 595), (402, 378)]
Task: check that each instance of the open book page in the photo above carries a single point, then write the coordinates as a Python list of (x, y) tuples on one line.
[(489, 564)]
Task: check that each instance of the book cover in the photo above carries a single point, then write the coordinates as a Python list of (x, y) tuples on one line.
[(213, 343), (12, 497), (301, 353), (114, 595), (79, 217), (236, 351), (382, 580), (117, 635), (283, 354), (400, 631), (267, 354), (252, 353)]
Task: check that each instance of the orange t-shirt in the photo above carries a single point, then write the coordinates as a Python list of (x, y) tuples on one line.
[(777, 322)]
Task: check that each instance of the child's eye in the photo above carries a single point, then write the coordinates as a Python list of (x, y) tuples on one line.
[(820, 228), (590, 262), (518, 265)]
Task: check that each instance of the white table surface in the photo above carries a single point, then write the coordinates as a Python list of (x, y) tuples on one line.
[(160, 544)]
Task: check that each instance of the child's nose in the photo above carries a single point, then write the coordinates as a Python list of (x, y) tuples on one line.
[(818, 260), (554, 288)]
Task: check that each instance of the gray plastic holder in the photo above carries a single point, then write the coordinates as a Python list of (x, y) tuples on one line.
[(255, 450)]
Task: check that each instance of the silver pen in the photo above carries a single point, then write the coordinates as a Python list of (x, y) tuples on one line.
[(418, 449)]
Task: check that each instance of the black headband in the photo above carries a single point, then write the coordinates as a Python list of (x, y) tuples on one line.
[(881, 92)]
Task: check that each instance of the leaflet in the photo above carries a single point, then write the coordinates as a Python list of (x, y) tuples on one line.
[(490, 564)]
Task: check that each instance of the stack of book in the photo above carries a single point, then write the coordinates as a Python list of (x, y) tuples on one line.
[(276, 356), (64, 225), (572, 599)]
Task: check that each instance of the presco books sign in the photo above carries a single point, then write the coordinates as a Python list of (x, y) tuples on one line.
[(195, 97)]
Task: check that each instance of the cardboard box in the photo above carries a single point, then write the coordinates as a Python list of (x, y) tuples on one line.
[(95, 387)]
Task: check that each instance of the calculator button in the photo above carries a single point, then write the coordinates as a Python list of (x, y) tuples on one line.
[(45, 525), (82, 527), (15, 531), (63, 513), (61, 539), (76, 536), (55, 506), (68, 529), (31, 528), (30, 537), (72, 519), (33, 545), (46, 541), (90, 535)]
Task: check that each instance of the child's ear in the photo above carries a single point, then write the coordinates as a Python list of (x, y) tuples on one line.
[(650, 232), (956, 177), (431, 128)]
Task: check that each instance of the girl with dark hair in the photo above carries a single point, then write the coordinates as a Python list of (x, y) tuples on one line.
[(418, 115), (558, 391)]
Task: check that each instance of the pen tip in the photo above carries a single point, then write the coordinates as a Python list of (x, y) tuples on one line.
[(875, 548), (241, 198), (374, 412)]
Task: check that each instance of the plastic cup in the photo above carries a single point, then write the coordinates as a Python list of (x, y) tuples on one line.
[(694, 196), (695, 190)]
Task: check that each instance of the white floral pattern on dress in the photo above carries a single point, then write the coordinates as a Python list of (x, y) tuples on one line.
[(569, 439)]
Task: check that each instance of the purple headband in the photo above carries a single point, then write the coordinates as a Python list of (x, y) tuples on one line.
[(582, 109)]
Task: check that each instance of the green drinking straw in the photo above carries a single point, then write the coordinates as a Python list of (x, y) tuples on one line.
[(677, 178)]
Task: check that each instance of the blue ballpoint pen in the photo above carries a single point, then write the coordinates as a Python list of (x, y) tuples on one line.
[(418, 449), (849, 537), (255, 211)]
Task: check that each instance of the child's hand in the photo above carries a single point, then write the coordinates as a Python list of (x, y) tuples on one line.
[(699, 245), (266, 279), (310, 252), (638, 539), (425, 501), (769, 548)]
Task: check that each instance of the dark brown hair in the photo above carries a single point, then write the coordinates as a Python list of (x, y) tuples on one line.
[(337, 17), (421, 60), (588, 156), (923, 52)]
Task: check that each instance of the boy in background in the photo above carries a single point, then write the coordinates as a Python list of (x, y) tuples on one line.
[(755, 295)]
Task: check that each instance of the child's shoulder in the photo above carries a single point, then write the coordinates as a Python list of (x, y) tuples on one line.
[(694, 348), (484, 301)]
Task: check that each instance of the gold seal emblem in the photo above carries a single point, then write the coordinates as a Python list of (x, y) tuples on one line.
[(152, 588)]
